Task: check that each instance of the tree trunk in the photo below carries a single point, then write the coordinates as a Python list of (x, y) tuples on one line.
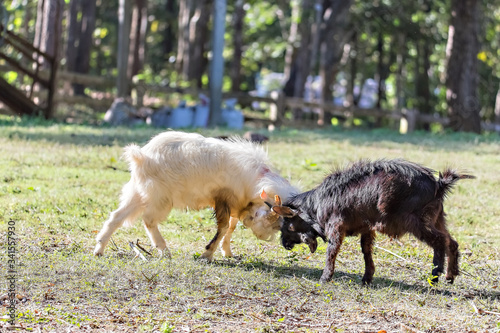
[(74, 29), (292, 37), (198, 32), (87, 25), (182, 60), (238, 16), (334, 36), (217, 65), (301, 66), (138, 38), (353, 70), (80, 37), (38, 24), (462, 73), (169, 34), (315, 36), (302, 63), (400, 60), (48, 27), (47, 37), (380, 71), (422, 84), (124, 18)]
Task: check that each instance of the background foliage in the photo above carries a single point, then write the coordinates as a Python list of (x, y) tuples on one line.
[(388, 37)]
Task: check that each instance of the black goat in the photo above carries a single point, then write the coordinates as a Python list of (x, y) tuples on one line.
[(390, 196)]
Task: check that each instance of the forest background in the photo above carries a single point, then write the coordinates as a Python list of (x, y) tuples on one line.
[(439, 57), (60, 181)]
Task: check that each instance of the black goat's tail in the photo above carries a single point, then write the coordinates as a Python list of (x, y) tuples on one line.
[(446, 181)]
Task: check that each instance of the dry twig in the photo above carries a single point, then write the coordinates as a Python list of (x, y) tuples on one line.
[(394, 254), (110, 312), (136, 250), (481, 311), (257, 317), (473, 306), (140, 246), (114, 244)]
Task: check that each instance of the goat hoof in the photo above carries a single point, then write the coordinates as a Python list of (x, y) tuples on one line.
[(366, 281), (207, 256), (450, 279), (99, 250), (324, 279), (165, 253)]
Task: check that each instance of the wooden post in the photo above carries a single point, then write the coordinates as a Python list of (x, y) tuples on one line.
[(140, 91), (277, 109), (217, 65), (54, 60), (408, 123)]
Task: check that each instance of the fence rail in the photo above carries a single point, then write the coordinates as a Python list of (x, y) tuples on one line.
[(278, 103), (26, 59)]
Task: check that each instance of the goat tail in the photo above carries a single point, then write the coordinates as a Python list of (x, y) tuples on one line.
[(447, 179), (133, 155)]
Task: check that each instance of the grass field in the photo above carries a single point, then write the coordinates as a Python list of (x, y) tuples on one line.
[(60, 182)]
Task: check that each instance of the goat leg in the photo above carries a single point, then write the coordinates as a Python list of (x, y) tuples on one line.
[(367, 249), (335, 240), (226, 241), (222, 215)]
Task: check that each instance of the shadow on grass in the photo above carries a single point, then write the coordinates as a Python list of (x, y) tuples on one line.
[(314, 274), (36, 130), (95, 137), (453, 141)]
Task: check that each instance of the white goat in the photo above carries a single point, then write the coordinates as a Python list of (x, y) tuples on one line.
[(187, 170)]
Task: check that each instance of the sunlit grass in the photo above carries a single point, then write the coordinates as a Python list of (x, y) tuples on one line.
[(60, 182)]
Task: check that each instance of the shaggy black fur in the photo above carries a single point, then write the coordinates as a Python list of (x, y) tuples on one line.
[(390, 196)]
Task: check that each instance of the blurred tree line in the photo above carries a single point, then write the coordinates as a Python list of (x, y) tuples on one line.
[(437, 56)]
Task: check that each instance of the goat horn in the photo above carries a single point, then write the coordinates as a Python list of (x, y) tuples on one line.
[(278, 200), (263, 195)]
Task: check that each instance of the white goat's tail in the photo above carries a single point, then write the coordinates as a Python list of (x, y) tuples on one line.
[(134, 156)]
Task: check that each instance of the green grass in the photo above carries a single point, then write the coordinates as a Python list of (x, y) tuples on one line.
[(60, 182)]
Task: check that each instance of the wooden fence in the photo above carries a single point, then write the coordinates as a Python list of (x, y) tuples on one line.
[(409, 120), (27, 60), (277, 102)]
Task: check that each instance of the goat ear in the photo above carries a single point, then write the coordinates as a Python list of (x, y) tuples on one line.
[(284, 211), (264, 195), (277, 200)]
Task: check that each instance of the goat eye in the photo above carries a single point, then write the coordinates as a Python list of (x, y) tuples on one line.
[(291, 228)]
